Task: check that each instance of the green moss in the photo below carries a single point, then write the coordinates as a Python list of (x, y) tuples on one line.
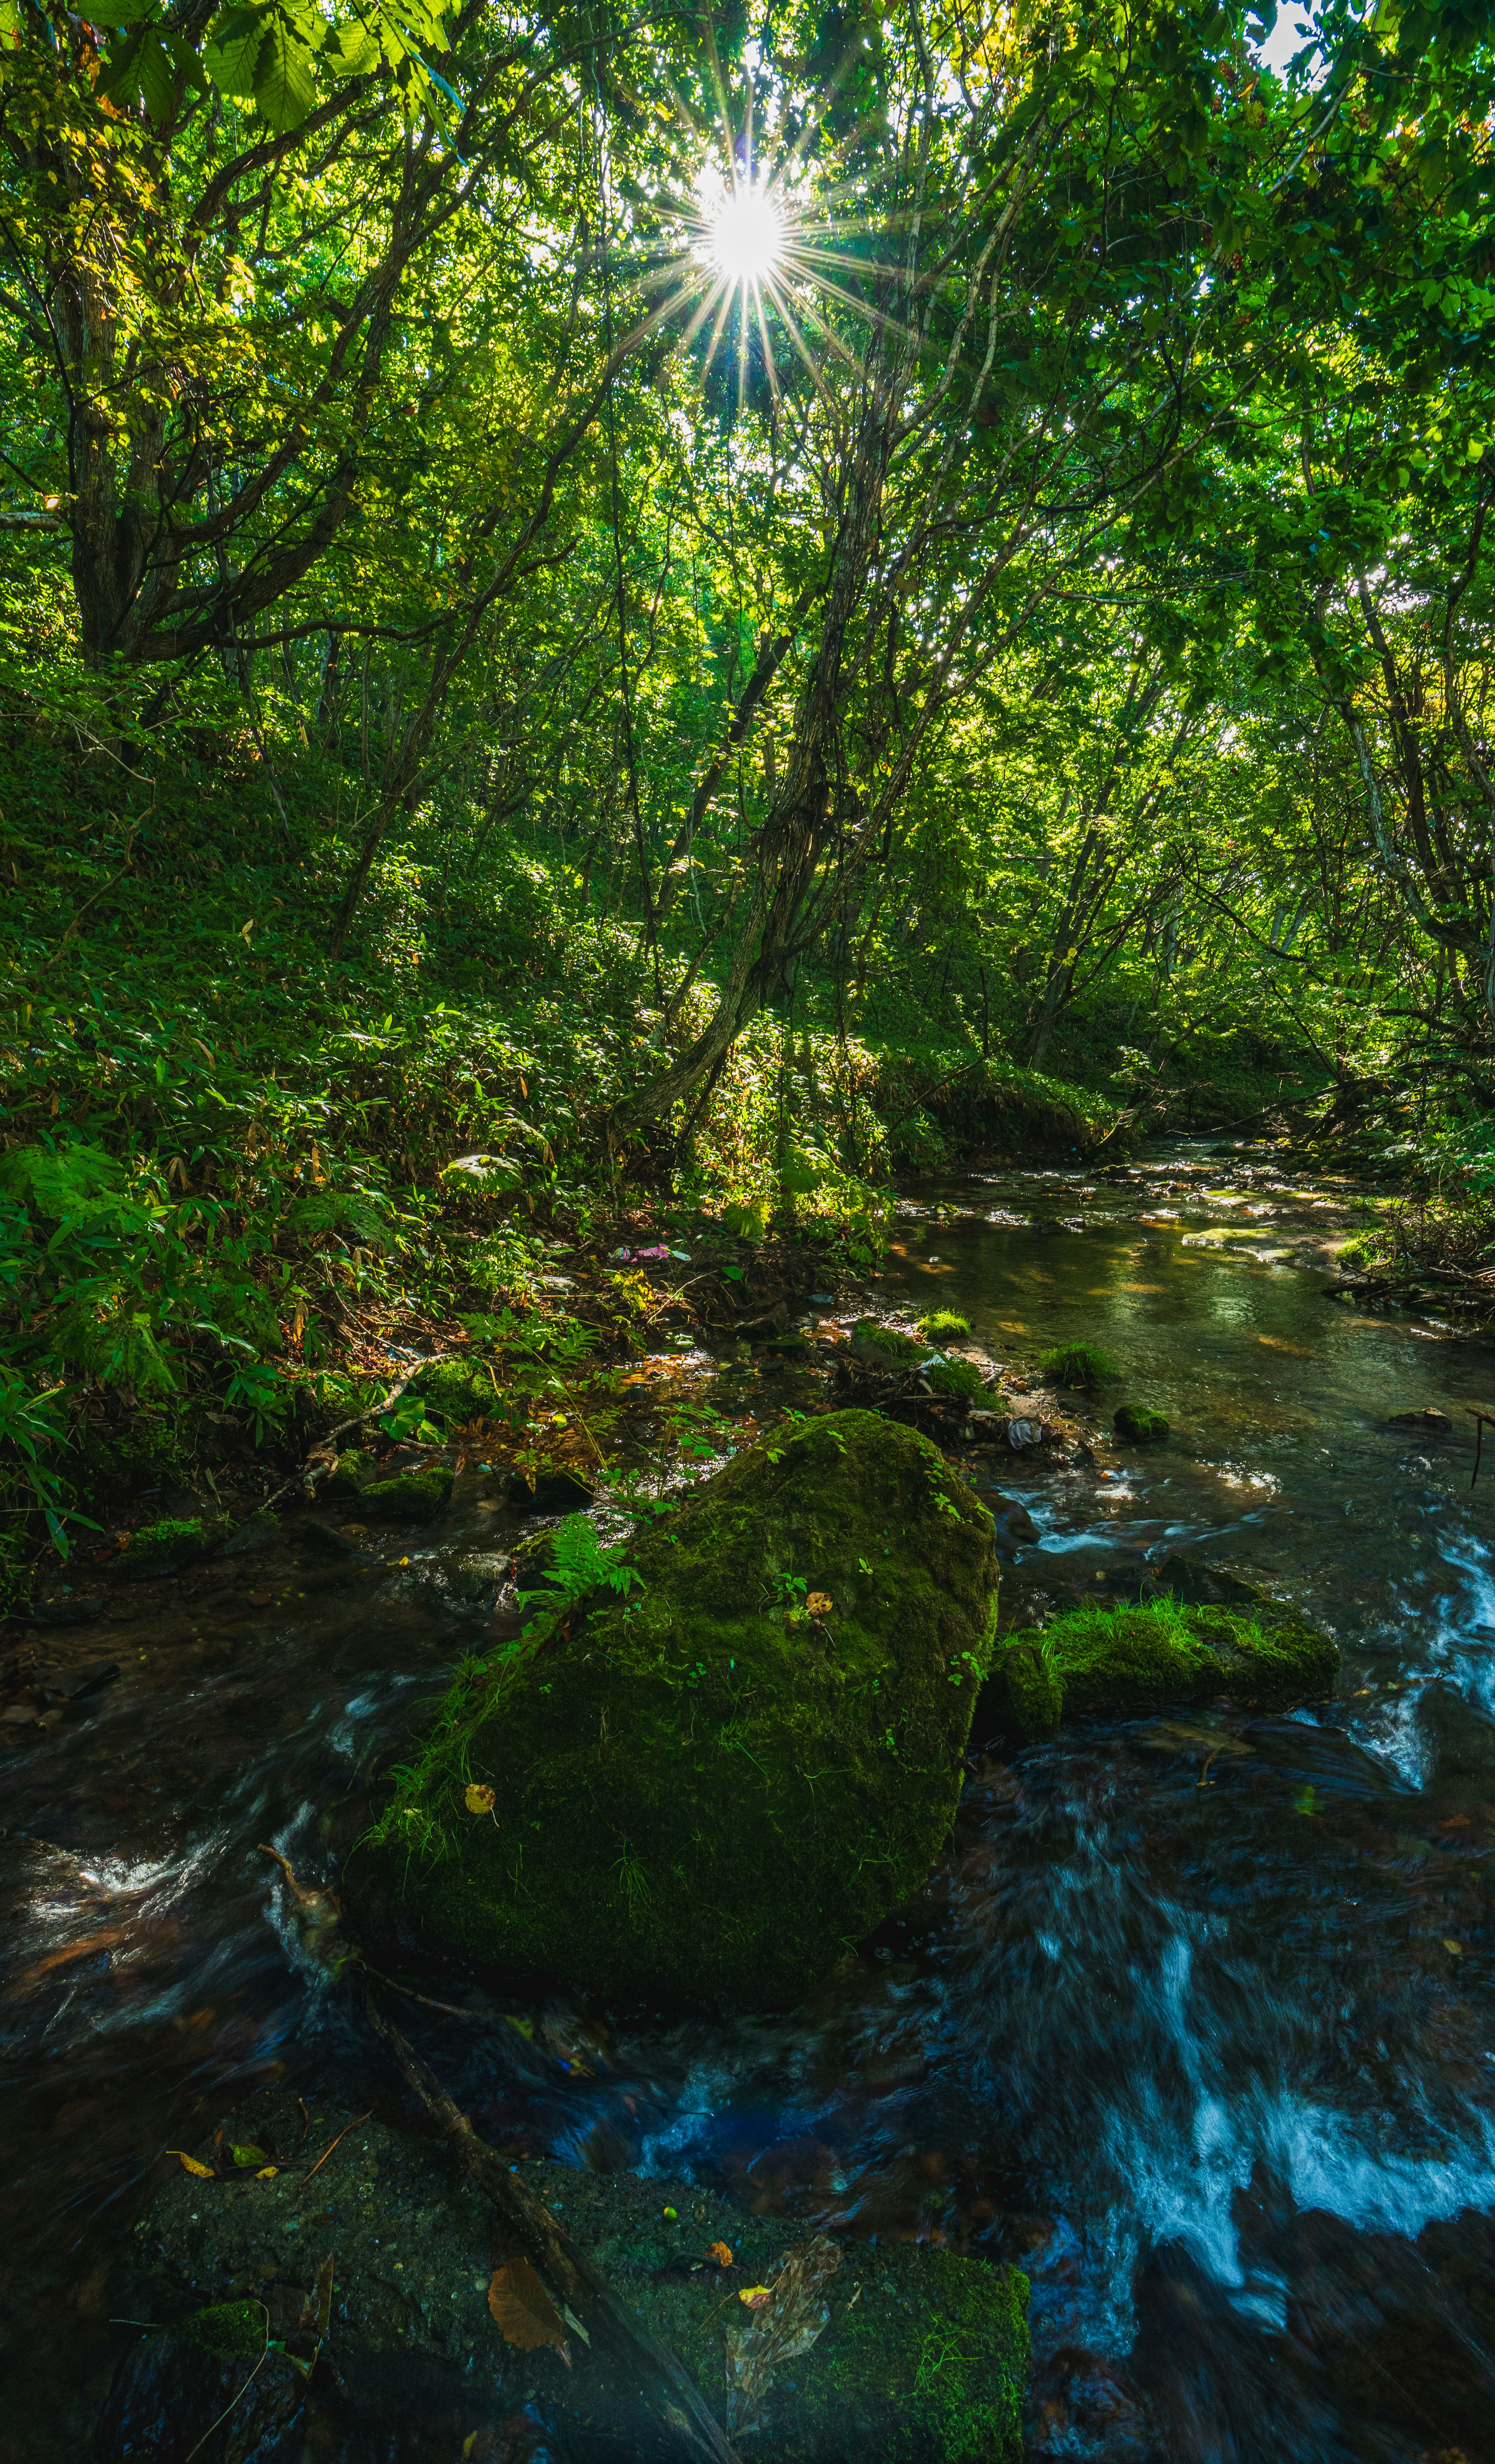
[(1139, 1425), (924, 2361), (234, 2330), (897, 1349), (405, 1497), (458, 1391), (943, 1326), (1129, 1658), (696, 1789), (165, 1548), (1078, 1364), (410, 1497), (961, 1379)]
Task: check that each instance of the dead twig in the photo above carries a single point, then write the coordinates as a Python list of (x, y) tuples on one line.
[(337, 2143)]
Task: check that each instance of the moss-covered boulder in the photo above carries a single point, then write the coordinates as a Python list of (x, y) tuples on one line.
[(1131, 1659), (710, 1781), (169, 1546), (401, 1497), (1140, 1426)]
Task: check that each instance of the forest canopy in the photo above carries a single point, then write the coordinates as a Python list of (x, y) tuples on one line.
[(732, 598)]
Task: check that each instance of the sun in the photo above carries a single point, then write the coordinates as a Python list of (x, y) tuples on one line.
[(744, 235)]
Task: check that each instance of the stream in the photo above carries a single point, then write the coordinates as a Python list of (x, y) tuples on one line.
[(1194, 2023)]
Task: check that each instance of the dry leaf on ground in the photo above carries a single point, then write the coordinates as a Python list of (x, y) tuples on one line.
[(719, 2252), (819, 1604), (190, 2164), (523, 2311), (478, 1798)]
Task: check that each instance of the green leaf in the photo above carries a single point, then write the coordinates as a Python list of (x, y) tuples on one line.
[(284, 86), (232, 56)]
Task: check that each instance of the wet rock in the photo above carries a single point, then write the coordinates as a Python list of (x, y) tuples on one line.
[(709, 1786), (1429, 1420), (170, 1547), (1462, 1733), (1121, 1659), (1081, 2404), (1140, 1426), (1198, 1586), (921, 2360), (554, 1492), (65, 1608), (262, 1530), (88, 1681), (329, 1542), (1014, 1525), (170, 2391)]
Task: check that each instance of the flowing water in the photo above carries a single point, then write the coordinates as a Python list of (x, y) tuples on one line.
[(1195, 2021)]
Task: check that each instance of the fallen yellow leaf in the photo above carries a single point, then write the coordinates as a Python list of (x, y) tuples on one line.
[(1457, 1948), (719, 2252), (267, 2172), (753, 2296), (819, 1604), (477, 1798), (190, 2164)]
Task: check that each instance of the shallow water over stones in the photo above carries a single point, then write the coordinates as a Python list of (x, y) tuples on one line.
[(1195, 2021)]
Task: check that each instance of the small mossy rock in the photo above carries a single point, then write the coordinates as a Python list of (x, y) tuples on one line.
[(235, 2330), (1140, 1426), (697, 1792), (942, 1326), (1129, 1658), (171, 1545), (351, 1474), (886, 1347), (172, 2392), (408, 1497), (456, 1392), (261, 1530)]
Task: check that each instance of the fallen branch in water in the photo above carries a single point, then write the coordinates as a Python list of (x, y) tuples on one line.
[(626, 2380)]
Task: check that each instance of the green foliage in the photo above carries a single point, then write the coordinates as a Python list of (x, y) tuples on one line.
[(578, 1564), (1141, 1426), (960, 1379), (1078, 1365)]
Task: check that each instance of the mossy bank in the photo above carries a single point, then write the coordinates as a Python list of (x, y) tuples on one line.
[(714, 1786)]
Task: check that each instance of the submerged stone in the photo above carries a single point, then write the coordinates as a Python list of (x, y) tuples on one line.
[(922, 2358), (713, 1774), (1131, 1659)]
